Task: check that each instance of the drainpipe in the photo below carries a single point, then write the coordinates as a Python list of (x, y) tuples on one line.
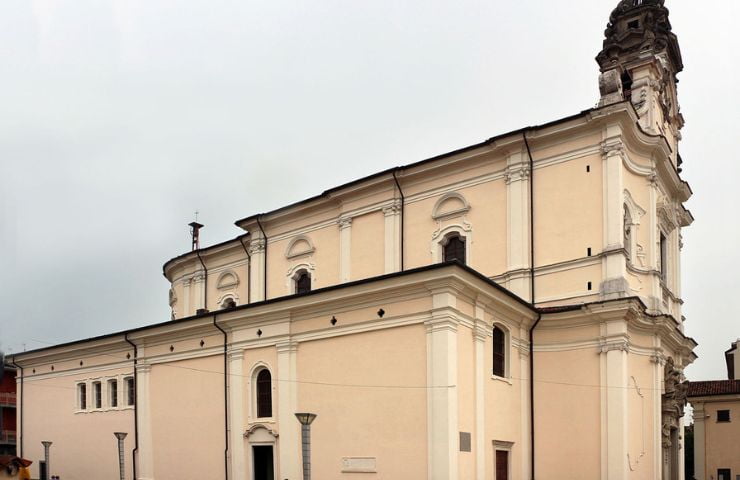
[(403, 203), (249, 270), (264, 235), (23, 397), (205, 281), (226, 402), (539, 315), (136, 405)]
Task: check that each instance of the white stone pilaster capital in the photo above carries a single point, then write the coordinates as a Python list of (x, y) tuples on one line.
[(612, 147), (143, 368), (392, 209), (256, 245), (442, 322), (286, 346), (235, 355), (344, 223), (516, 173)]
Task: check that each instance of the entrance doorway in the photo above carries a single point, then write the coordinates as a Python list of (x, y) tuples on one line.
[(263, 462), (43, 473), (502, 465)]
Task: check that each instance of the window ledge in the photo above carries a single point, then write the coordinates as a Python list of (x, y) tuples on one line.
[(502, 379)]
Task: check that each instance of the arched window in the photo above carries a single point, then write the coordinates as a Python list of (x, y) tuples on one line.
[(302, 282), (454, 249), (499, 352), (228, 303), (264, 394)]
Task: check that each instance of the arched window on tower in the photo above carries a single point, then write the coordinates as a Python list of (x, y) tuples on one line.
[(264, 394), (454, 249), (302, 282), (499, 352)]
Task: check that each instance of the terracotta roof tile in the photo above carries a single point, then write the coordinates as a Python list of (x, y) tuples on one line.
[(714, 387)]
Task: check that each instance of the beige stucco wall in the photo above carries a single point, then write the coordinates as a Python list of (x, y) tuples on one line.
[(187, 422), (567, 401), (83, 446), (365, 388)]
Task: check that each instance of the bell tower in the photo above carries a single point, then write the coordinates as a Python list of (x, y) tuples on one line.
[(639, 62)]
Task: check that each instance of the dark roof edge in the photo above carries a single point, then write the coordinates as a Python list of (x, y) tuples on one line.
[(202, 250), (270, 301), (422, 162)]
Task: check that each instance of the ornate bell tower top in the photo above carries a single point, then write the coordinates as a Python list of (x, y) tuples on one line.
[(636, 29), (639, 62)]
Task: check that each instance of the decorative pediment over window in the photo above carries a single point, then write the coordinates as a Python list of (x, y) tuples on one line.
[(299, 246), (260, 432), (227, 280), (450, 205)]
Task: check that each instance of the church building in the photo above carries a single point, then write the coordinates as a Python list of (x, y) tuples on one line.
[(510, 310)]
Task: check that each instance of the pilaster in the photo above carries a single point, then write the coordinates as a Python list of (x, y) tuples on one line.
[(392, 215), (480, 336), (143, 407), (614, 283), (517, 177), (615, 348), (237, 464), (442, 402), (345, 249), (290, 433), (257, 269)]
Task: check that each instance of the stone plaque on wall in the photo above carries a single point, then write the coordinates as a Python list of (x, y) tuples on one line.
[(359, 465)]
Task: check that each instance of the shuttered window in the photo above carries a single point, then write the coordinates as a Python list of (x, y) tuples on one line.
[(455, 249)]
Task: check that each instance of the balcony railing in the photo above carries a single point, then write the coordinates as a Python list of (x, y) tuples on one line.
[(7, 437), (7, 399)]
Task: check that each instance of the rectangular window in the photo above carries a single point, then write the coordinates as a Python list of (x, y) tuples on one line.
[(130, 391), (113, 393), (724, 474), (663, 257), (97, 394), (723, 415), (82, 396)]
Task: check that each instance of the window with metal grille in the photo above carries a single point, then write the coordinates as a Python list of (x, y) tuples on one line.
[(455, 249), (499, 352), (113, 393), (723, 415), (97, 394), (303, 282), (130, 391), (82, 396), (264, 394)]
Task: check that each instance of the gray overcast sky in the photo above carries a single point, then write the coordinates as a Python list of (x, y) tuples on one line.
[(118, 119)]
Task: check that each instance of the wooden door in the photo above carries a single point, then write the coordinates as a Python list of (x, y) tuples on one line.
[(502, 465)]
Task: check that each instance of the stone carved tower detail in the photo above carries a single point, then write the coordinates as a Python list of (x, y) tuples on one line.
[(639, 62)]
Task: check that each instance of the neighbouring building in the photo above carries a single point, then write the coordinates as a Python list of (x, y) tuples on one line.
[(509, 310), (716, 405), (8, 411)]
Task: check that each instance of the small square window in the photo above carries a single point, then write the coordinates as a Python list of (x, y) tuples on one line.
[(635, 24), (723, 415)]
